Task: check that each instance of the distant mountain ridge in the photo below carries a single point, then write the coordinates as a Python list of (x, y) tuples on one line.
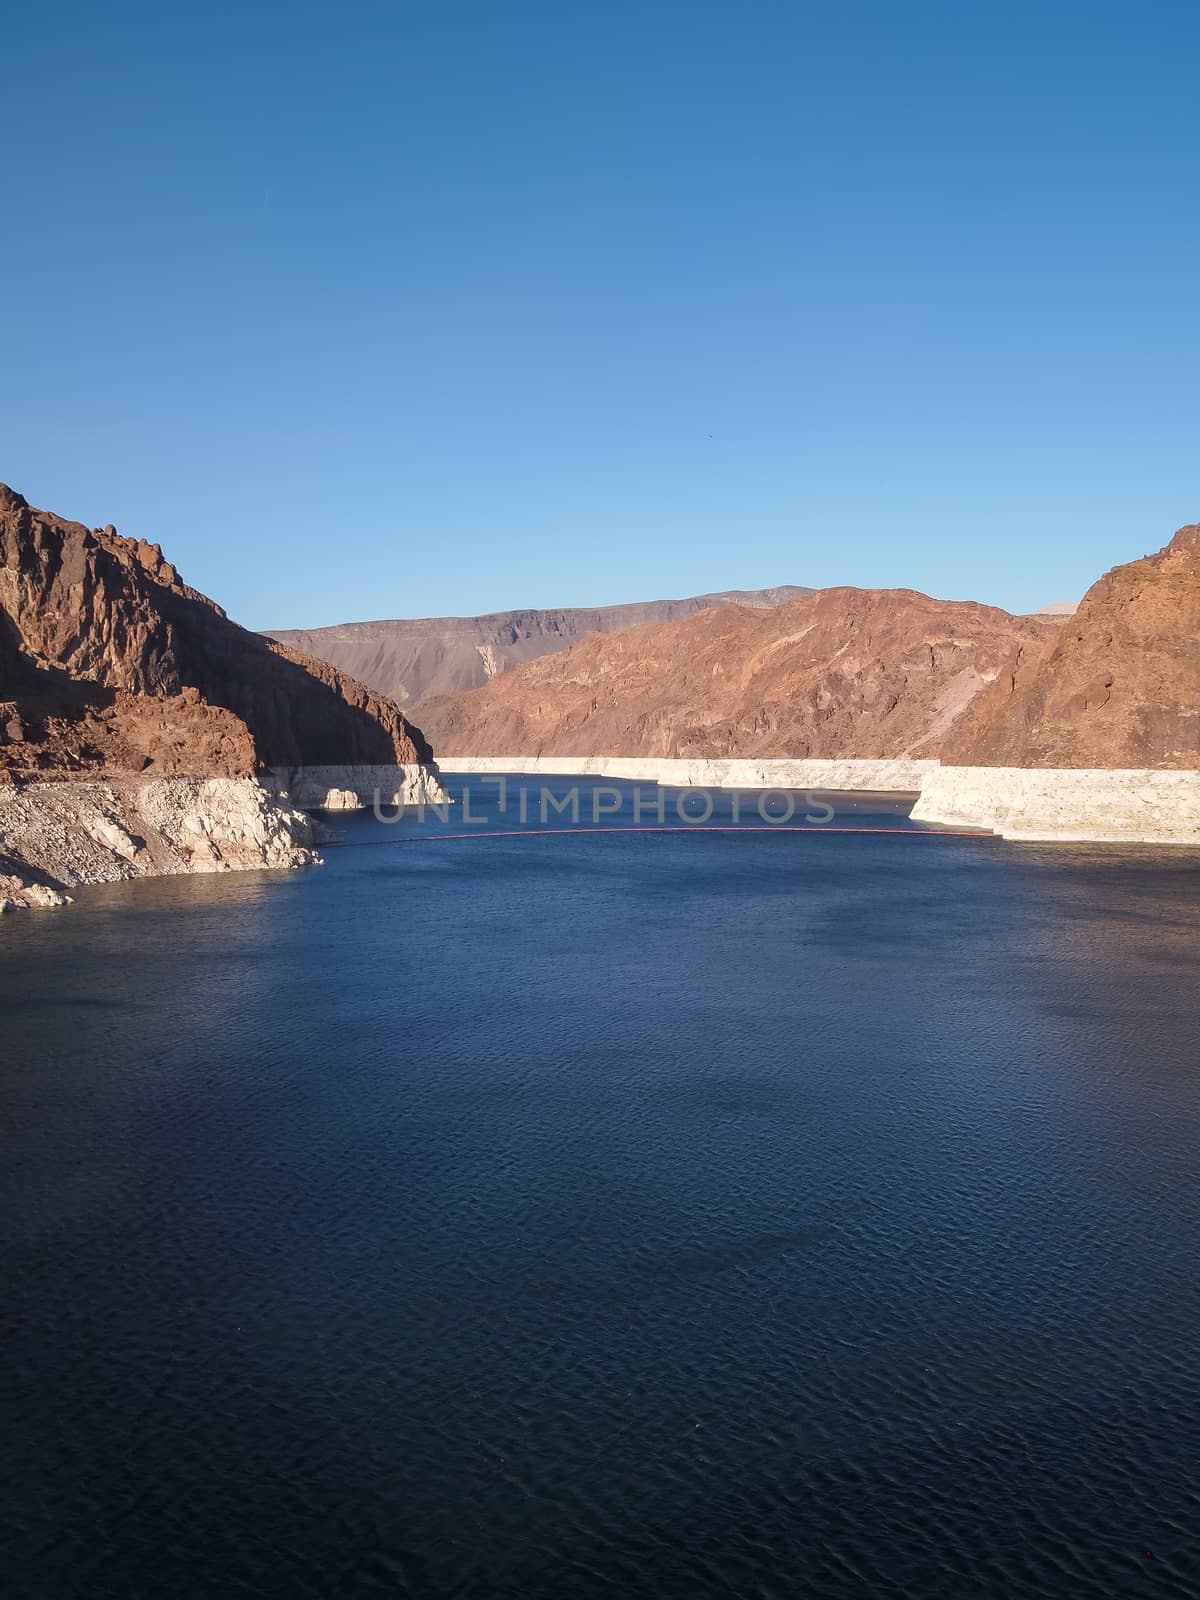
[(1114, 684), (874, 673), (415, 658)]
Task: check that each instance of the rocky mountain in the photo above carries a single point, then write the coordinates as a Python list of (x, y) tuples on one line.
[(412, 659), (836, 673), (109, 661), (1117, 685)]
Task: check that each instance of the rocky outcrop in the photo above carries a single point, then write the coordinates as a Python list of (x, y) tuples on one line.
[(18, 893), (1116, 686), (346, 788), (56, 836), (412, 659), (136, 719), (839, 673), (109, 660), (1065, 805)]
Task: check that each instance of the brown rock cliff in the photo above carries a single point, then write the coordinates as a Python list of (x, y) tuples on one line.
[(108, 659), (1117, 685), (839, 673), (416, 658)]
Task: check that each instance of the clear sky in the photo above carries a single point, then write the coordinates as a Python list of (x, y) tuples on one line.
[(404, 309)]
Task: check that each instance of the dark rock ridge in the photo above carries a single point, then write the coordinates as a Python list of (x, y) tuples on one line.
[(413, 659), (838, 673), (109, 660), (1117, 685)]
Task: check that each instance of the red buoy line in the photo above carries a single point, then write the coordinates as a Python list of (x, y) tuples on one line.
[(697, 827)]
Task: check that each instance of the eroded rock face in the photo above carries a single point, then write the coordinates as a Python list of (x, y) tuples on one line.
[(839, 673), (1117, 685), (1101, 805), (109, 660), (413, 659), (56, 836), (153, 715)]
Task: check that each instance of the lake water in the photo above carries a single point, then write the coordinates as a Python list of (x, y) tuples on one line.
[(669, 1214)]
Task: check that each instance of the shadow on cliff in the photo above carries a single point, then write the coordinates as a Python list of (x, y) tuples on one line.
[(112, 615), (42, 691), (294, 715), (24, 872)]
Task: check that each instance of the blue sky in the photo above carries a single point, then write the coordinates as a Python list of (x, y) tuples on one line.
[(388, 310)]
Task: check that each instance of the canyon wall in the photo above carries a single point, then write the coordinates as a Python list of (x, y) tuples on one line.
[(1086, 727), (136, 720), (861, 673), (110, 658), (1115, 686), (412, 659)]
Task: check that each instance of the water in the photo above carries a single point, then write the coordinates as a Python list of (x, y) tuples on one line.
[(654, 1214)]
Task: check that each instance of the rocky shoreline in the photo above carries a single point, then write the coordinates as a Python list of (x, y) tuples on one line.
[(1048, 805), (1022, 804), (143, 733), (57, 836), (895, 776), (350, 787)]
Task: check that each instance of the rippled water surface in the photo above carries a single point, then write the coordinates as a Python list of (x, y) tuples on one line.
[(652, 1214)]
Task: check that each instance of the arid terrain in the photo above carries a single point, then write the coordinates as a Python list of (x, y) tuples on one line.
[(842, 672), (136, 721), (1118, 685), (875, 674), (110, 662), (414, 659), (143, 731)]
